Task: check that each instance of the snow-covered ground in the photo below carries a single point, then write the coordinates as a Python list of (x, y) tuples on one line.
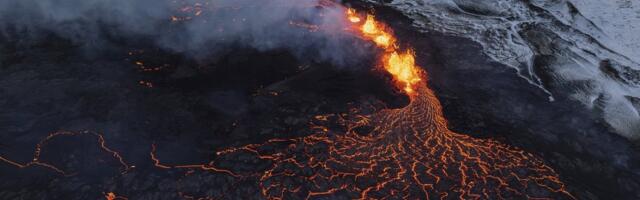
[(586, 50), (618, 19)]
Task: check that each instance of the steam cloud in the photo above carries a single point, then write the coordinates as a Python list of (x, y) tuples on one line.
[(260, 24)]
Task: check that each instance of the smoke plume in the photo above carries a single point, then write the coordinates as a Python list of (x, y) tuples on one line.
[(201, 29)]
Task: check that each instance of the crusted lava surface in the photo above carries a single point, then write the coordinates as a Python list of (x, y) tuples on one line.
[(322, 132)]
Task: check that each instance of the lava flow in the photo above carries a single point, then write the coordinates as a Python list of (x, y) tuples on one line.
[(408, 154)]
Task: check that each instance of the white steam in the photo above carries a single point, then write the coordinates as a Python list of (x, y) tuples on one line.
[(261, 24)]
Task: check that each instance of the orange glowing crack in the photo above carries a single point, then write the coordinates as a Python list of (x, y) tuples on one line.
[(205, 167), (35, 161)]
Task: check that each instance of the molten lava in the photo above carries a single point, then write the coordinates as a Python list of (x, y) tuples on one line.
[(383, 40), (352, 17), (372, 30), (402, 65), (370, 26)]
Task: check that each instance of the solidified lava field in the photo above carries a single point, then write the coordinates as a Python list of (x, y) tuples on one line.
[(325, 100)]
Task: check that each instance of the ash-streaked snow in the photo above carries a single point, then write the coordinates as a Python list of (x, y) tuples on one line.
[(585, 50)]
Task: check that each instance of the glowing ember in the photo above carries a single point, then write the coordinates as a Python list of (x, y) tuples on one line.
[(110, 196), (113, 196)]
